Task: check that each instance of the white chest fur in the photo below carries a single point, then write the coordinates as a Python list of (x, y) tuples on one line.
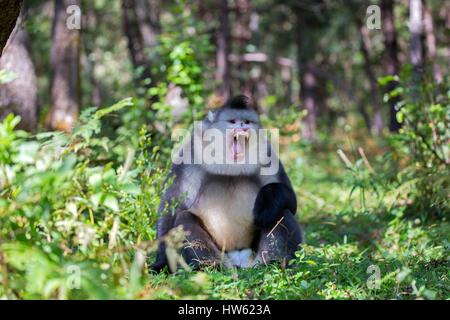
[(225, 208)]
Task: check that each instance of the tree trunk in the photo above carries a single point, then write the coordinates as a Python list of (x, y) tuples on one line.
[(20, 95), (308, 97), (242, 35), (307, 77), (223, 67), (416, 30), (136, 45), (431, 44), (65, 64), (376, 123), (90, 21), (147, 12), (9, 13), (390, 58), (447, 42)]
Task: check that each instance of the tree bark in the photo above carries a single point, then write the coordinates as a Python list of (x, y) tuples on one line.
[(90, 21), (135, 39), (20, 95), (447, 42), (10, 10), (308, 96), (242, 36), (416, 30), (376, 123), (390, 58), (65, 64), (223, 66), (147, 13), (431, 44), (307, 77)]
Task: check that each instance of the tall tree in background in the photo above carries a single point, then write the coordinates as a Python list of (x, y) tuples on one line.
[(307, 77), (65, 64), (9, 13), (431, 43), (391, 62), (223, 43), (376, 122), (20, 95), (446, 15), (416, 30), (241, 37), (90, 25), (148, 12), (141, 28)]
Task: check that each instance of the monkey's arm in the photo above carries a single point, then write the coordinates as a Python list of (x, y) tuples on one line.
[(271, 202), (176, 200)]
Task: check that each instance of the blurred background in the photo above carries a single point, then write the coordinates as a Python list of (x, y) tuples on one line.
[(324, 57)]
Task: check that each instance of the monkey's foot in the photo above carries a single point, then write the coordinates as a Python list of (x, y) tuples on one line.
[(241, 258)]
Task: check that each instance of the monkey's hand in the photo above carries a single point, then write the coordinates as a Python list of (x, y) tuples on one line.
[(271, 202)]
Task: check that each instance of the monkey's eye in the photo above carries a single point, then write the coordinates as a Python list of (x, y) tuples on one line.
[(232, 121), (247, 121)]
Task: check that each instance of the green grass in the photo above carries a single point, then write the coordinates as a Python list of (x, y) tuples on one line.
[(78, 214), (342, 240)]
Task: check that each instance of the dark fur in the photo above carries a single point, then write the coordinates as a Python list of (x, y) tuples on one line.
[(272, 200), (239, 102), (277, 234)]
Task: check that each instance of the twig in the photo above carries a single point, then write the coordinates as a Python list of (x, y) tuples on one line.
[(276, 225), (344, 158), (366, 161)]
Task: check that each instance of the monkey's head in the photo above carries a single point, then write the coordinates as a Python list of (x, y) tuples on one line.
[(230, 135)]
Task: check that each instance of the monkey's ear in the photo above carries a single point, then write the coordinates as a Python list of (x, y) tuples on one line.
[(211, 116)]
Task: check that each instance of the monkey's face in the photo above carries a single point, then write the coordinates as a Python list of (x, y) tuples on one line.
[(230, 143)]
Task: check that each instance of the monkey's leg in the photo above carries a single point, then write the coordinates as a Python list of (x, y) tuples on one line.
[(165, 223), (280, 242), (199, 249)]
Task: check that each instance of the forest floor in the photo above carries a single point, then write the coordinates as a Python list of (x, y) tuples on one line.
[(363, 237), (354, 249)]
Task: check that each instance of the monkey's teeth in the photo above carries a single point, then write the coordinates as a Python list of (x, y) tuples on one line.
[(239, 134), (237, 146)]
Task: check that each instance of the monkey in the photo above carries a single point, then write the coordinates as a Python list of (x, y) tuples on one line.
[(232, 214)]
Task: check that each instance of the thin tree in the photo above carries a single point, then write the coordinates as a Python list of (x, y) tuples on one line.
[(376, 123), (308, 79), (20, 95), (148, 15), (65, 66), (223, 39), (416, 30), (141, 30), (391, 62), (242, 35), (431, 43), (90, 25)]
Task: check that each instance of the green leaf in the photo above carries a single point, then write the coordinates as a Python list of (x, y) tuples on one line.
[(111, 203), (127, 102)]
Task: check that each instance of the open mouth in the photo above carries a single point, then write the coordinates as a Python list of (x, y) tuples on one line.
[(239, 139)]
